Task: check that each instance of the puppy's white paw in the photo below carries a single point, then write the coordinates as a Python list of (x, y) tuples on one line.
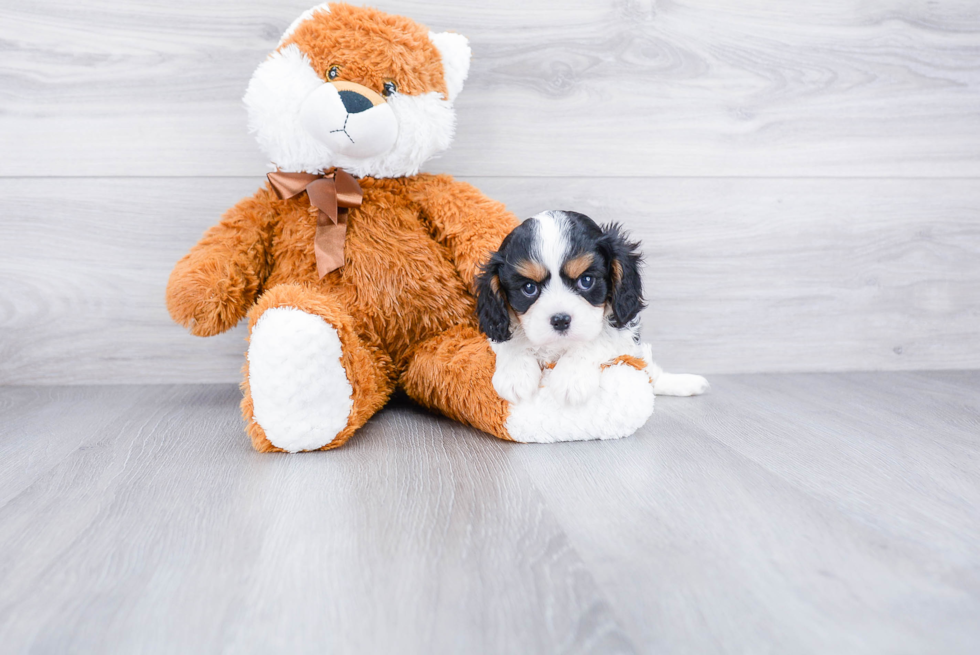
[(517, 379), (574, 382), (680, 384)]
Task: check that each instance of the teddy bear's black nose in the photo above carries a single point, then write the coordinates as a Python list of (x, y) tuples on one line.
[(354, 102)]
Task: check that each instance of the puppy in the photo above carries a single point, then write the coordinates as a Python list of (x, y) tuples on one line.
[(564, 294)]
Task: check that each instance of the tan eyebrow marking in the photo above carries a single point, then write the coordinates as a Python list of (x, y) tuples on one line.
[(578, 265), (531, 270)]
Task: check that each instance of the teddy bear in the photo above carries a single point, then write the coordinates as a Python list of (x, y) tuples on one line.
[(356, 272)]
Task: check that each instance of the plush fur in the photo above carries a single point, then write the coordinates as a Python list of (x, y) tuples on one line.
[(370, 93), (369, 48), (400, 312)]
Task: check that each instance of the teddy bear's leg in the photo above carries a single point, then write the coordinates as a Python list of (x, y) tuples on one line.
[(452, 373), (310, 381)]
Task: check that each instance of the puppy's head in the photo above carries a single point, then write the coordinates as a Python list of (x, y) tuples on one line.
[(560, 278)]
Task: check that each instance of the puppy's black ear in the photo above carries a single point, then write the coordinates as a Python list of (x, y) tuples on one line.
[(491, 305), (625, 287)]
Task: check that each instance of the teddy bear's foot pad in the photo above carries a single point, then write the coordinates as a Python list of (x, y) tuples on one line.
[(622, 404), (299, 388)]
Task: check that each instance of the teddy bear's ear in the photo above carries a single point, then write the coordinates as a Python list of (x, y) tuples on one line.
[(319, 9), (455, 51)]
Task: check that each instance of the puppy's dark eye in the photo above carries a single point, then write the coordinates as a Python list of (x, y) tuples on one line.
[(389, 88), (333, 72), (530, 289), (585, 282)]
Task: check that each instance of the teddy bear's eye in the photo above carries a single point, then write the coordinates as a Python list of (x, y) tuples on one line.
[(333, 72), (389, 88)]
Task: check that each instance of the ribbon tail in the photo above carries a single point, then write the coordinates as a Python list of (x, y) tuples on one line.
[(329, 243), (323, 196)]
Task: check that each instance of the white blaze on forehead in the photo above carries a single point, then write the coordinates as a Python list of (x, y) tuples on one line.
[(551, 237)]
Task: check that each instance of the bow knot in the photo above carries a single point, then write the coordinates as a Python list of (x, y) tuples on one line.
[(332, 194)]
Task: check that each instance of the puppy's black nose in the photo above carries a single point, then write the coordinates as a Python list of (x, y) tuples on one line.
[(561, 322), (354, 102)]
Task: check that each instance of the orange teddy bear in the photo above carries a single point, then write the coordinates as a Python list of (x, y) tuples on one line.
[(356, 272)]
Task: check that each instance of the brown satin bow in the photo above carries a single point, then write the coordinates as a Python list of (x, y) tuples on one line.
[(332, 193)]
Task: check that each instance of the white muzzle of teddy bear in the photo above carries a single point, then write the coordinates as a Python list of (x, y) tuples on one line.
[(350, 119)]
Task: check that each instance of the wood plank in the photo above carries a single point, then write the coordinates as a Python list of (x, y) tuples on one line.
[(569, 88), (741, 276), (167, 533), (798, 513), (37, 437), (85, 277), (789, 513), (794, 275)]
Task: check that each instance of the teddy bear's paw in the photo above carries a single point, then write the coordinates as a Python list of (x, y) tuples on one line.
[(299, 388), (517, 380), (680, 384), (208, 297)]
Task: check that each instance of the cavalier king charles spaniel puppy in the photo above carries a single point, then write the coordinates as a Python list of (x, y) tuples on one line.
[(561, 298)]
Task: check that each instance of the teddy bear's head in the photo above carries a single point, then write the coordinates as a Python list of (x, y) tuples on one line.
[(359, 89)]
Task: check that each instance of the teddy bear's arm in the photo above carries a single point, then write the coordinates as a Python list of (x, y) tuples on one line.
[(213, 286), (467, 222)]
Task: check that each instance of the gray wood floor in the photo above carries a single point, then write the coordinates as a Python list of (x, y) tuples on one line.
[(780, 513)]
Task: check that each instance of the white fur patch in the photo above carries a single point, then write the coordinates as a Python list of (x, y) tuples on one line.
[(299, 388), (516, 376), (552, 242), (680, 384), (455, 52), (620, 407), (274, 100)]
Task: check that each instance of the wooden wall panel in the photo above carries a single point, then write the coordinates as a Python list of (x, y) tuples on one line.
[(742, 274), (558, 87), (803, 175)]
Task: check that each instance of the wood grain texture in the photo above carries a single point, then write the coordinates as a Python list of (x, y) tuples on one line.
[(747, 504), (741, 275), (780, 513), (164, 532), (570, 88)]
